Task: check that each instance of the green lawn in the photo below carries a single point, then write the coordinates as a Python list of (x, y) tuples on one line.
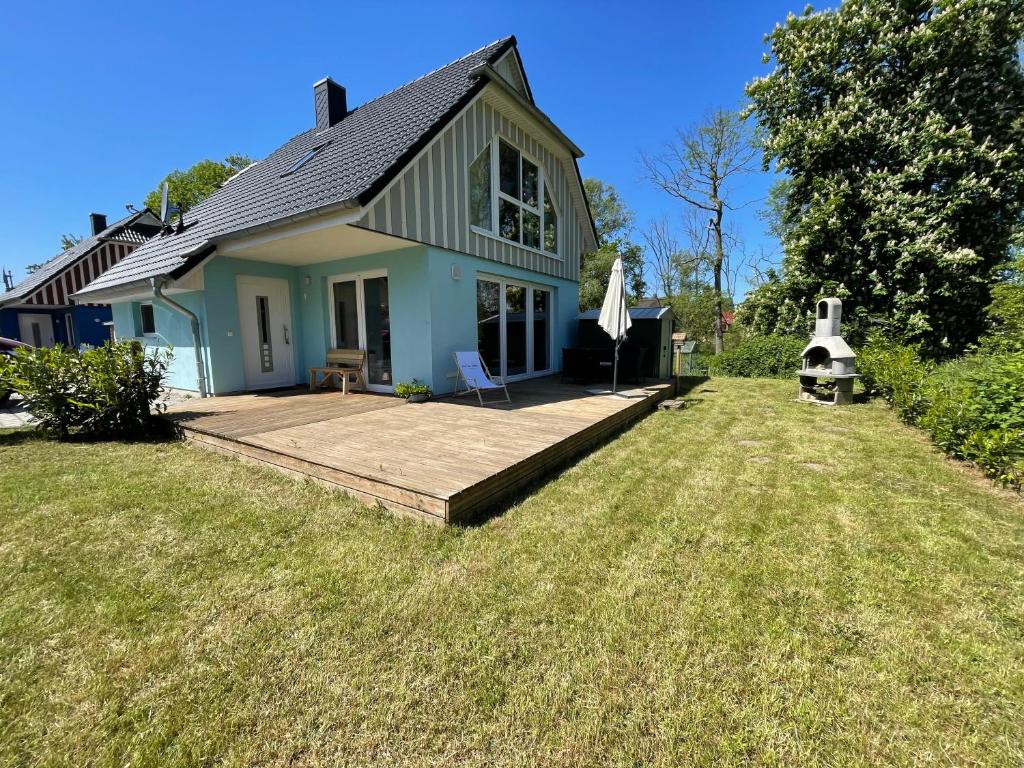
[(748, 581)]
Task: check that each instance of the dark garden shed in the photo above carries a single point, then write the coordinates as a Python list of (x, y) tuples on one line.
[(651, 331)]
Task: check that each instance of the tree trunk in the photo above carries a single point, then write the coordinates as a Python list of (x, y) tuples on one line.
[(716, 224)]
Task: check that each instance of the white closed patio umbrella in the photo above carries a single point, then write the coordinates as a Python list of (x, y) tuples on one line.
[(614, 317)]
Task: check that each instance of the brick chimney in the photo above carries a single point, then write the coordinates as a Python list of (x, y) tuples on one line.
[(98, 222), (329, 102)]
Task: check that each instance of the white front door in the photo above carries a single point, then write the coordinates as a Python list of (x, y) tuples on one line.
[(265, 319), (36, 330)]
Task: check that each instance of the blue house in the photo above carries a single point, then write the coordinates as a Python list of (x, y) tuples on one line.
[(40, 310), (446, 215)]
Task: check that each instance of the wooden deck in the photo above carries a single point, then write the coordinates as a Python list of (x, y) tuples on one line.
[(444, 460)]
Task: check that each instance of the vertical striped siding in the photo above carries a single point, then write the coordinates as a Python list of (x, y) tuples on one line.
[(73, 278), (509, 70), (428, 202)]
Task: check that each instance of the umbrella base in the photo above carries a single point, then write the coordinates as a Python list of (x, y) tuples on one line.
[(626, 394)]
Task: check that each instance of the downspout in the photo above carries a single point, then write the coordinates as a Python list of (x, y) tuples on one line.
[(197, 338)]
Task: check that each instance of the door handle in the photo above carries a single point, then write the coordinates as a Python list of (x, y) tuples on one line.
[(286, 339)]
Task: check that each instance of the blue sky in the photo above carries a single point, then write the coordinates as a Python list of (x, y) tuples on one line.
[(102, 100)]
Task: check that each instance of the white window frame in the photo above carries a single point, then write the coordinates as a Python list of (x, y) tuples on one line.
[(497, 196), (69, 330), (530, 287), (358, 278)]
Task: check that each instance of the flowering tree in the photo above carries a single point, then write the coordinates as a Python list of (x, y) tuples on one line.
[(898, 126)]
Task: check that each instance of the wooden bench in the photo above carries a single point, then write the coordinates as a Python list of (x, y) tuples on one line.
[(341, 363)]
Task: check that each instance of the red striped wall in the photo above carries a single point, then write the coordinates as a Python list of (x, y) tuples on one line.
[(73, 278)]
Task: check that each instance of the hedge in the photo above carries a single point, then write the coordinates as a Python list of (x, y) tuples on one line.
[(972, 407), (775, 357)]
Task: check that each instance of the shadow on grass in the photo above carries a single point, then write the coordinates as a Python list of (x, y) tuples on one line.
[(688, 384), (159, 431), (19, 435), (555, 470)]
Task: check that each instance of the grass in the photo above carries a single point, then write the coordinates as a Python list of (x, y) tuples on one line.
[(748, 581)]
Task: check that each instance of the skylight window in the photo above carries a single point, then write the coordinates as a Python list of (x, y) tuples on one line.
[(309, 155)]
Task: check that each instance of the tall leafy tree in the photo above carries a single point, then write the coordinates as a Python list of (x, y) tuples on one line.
[(898, 126), (187, 188), (613, 221), (1006, 312)]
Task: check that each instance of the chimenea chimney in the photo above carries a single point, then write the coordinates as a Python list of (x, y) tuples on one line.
[(329, 102), (98, 222)]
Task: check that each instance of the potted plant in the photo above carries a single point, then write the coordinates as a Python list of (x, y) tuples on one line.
[(415, 391)]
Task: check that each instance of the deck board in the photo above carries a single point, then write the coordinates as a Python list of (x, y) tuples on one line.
[(442, 460)]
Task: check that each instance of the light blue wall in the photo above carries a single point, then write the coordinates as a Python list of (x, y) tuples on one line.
[(432, 314), (224, 338), (174, 332), (453, 309), (408, 297)]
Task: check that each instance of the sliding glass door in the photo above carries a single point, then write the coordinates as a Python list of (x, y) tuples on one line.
[(361, 319), (513, 327), (515, 330)]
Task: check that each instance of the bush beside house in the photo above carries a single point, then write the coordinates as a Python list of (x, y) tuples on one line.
[(104, 392)]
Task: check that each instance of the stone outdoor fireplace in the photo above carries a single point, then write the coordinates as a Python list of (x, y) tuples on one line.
[(829, 358)]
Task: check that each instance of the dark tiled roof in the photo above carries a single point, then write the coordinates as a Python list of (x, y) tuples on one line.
[(119, 230), (365, 150)]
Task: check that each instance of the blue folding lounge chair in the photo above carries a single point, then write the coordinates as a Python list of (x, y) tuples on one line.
[(471, 370)]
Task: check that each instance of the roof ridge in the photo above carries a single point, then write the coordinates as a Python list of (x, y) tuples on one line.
[(434, 71)]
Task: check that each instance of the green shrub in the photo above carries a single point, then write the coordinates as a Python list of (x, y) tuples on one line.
[(105, 392), (897, 372), (1006, 312), (6, 379), (972, 408), (415, 387), (760, 357)]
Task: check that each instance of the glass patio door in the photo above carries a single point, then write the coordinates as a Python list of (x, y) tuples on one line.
[(513, 327), (361, 319)]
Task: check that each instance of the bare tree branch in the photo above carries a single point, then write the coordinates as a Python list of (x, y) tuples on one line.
[(664, 254), (698, 168)]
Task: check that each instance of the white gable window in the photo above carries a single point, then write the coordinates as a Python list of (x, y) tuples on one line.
[(509, 196)]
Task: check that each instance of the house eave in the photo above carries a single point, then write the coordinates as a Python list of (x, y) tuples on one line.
[(488, 72), (141, 288), (340, 206)]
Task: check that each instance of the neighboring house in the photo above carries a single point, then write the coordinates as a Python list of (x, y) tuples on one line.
[(728, 319), (40, 309), (446, 215)]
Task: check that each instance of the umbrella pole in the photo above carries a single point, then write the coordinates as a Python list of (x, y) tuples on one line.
[(615, 367), (618, 339)]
